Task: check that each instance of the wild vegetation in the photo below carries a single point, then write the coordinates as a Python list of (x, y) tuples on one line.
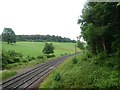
[(98, 65), (85, 71), (100, 25), (6, 74)]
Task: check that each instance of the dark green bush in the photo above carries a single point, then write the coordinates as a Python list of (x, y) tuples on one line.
[(89, 55), (57, 77), (10, 57), (74, 60), (61, 54), (40, 57), (30, 58), (17, 59), (50, 56), (102, 56), (65, 53), (53, 55), (89, 73), (25, 60), (33, 58)]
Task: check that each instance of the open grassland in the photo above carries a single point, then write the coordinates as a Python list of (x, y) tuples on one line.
[(32, 52), (35, 48)]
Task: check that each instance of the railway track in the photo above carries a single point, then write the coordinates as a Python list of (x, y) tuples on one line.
[(25, 80)]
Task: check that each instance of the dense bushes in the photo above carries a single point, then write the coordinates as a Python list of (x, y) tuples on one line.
[(84, 72), (101, 31), (11, 59), (50, 56)]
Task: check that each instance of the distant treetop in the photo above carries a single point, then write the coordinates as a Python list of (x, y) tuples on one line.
[(42, 38), (8, 35)]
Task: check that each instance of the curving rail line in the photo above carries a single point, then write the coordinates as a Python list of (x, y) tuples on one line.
[(25, 80)]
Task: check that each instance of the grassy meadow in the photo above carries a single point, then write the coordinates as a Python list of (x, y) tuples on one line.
[(35, 48), (32, 52)]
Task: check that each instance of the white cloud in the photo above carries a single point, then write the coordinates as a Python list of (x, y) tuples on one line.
[(54, 17)]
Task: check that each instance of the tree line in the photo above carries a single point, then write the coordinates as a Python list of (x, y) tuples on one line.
[(100, 26), (8, 35), (42, 38)]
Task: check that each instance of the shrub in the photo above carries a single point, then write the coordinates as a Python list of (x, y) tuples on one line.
[(25, 60), (10, 57), (85, 74), (65, 53), (17, 59), (57, 77), (40, 57), (33, 58), (61, 54), (89, 55), (74, 60), (48, 48), (30, 58), (50, 56)]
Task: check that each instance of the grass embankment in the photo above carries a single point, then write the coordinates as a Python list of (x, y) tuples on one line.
[(86, 71), (6, 74), (28, 54)]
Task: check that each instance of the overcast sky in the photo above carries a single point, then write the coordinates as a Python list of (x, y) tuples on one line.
[(53, 17)]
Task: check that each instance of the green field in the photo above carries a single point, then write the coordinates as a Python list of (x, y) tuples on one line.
[(35, 48)]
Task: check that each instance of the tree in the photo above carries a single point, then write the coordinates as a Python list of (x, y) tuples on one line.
[(8, 35), (48, 48), (100, 26), (80, 44)]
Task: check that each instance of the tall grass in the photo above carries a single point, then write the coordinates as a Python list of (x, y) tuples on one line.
[(6, 74)]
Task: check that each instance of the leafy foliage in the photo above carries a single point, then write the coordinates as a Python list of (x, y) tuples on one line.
[(48, 48), (10, 57), (43, 38), (100, 26), (80, 45), (85, 74), (8, 35)]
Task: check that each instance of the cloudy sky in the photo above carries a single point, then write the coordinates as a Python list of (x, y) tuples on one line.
[(53, 17)]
